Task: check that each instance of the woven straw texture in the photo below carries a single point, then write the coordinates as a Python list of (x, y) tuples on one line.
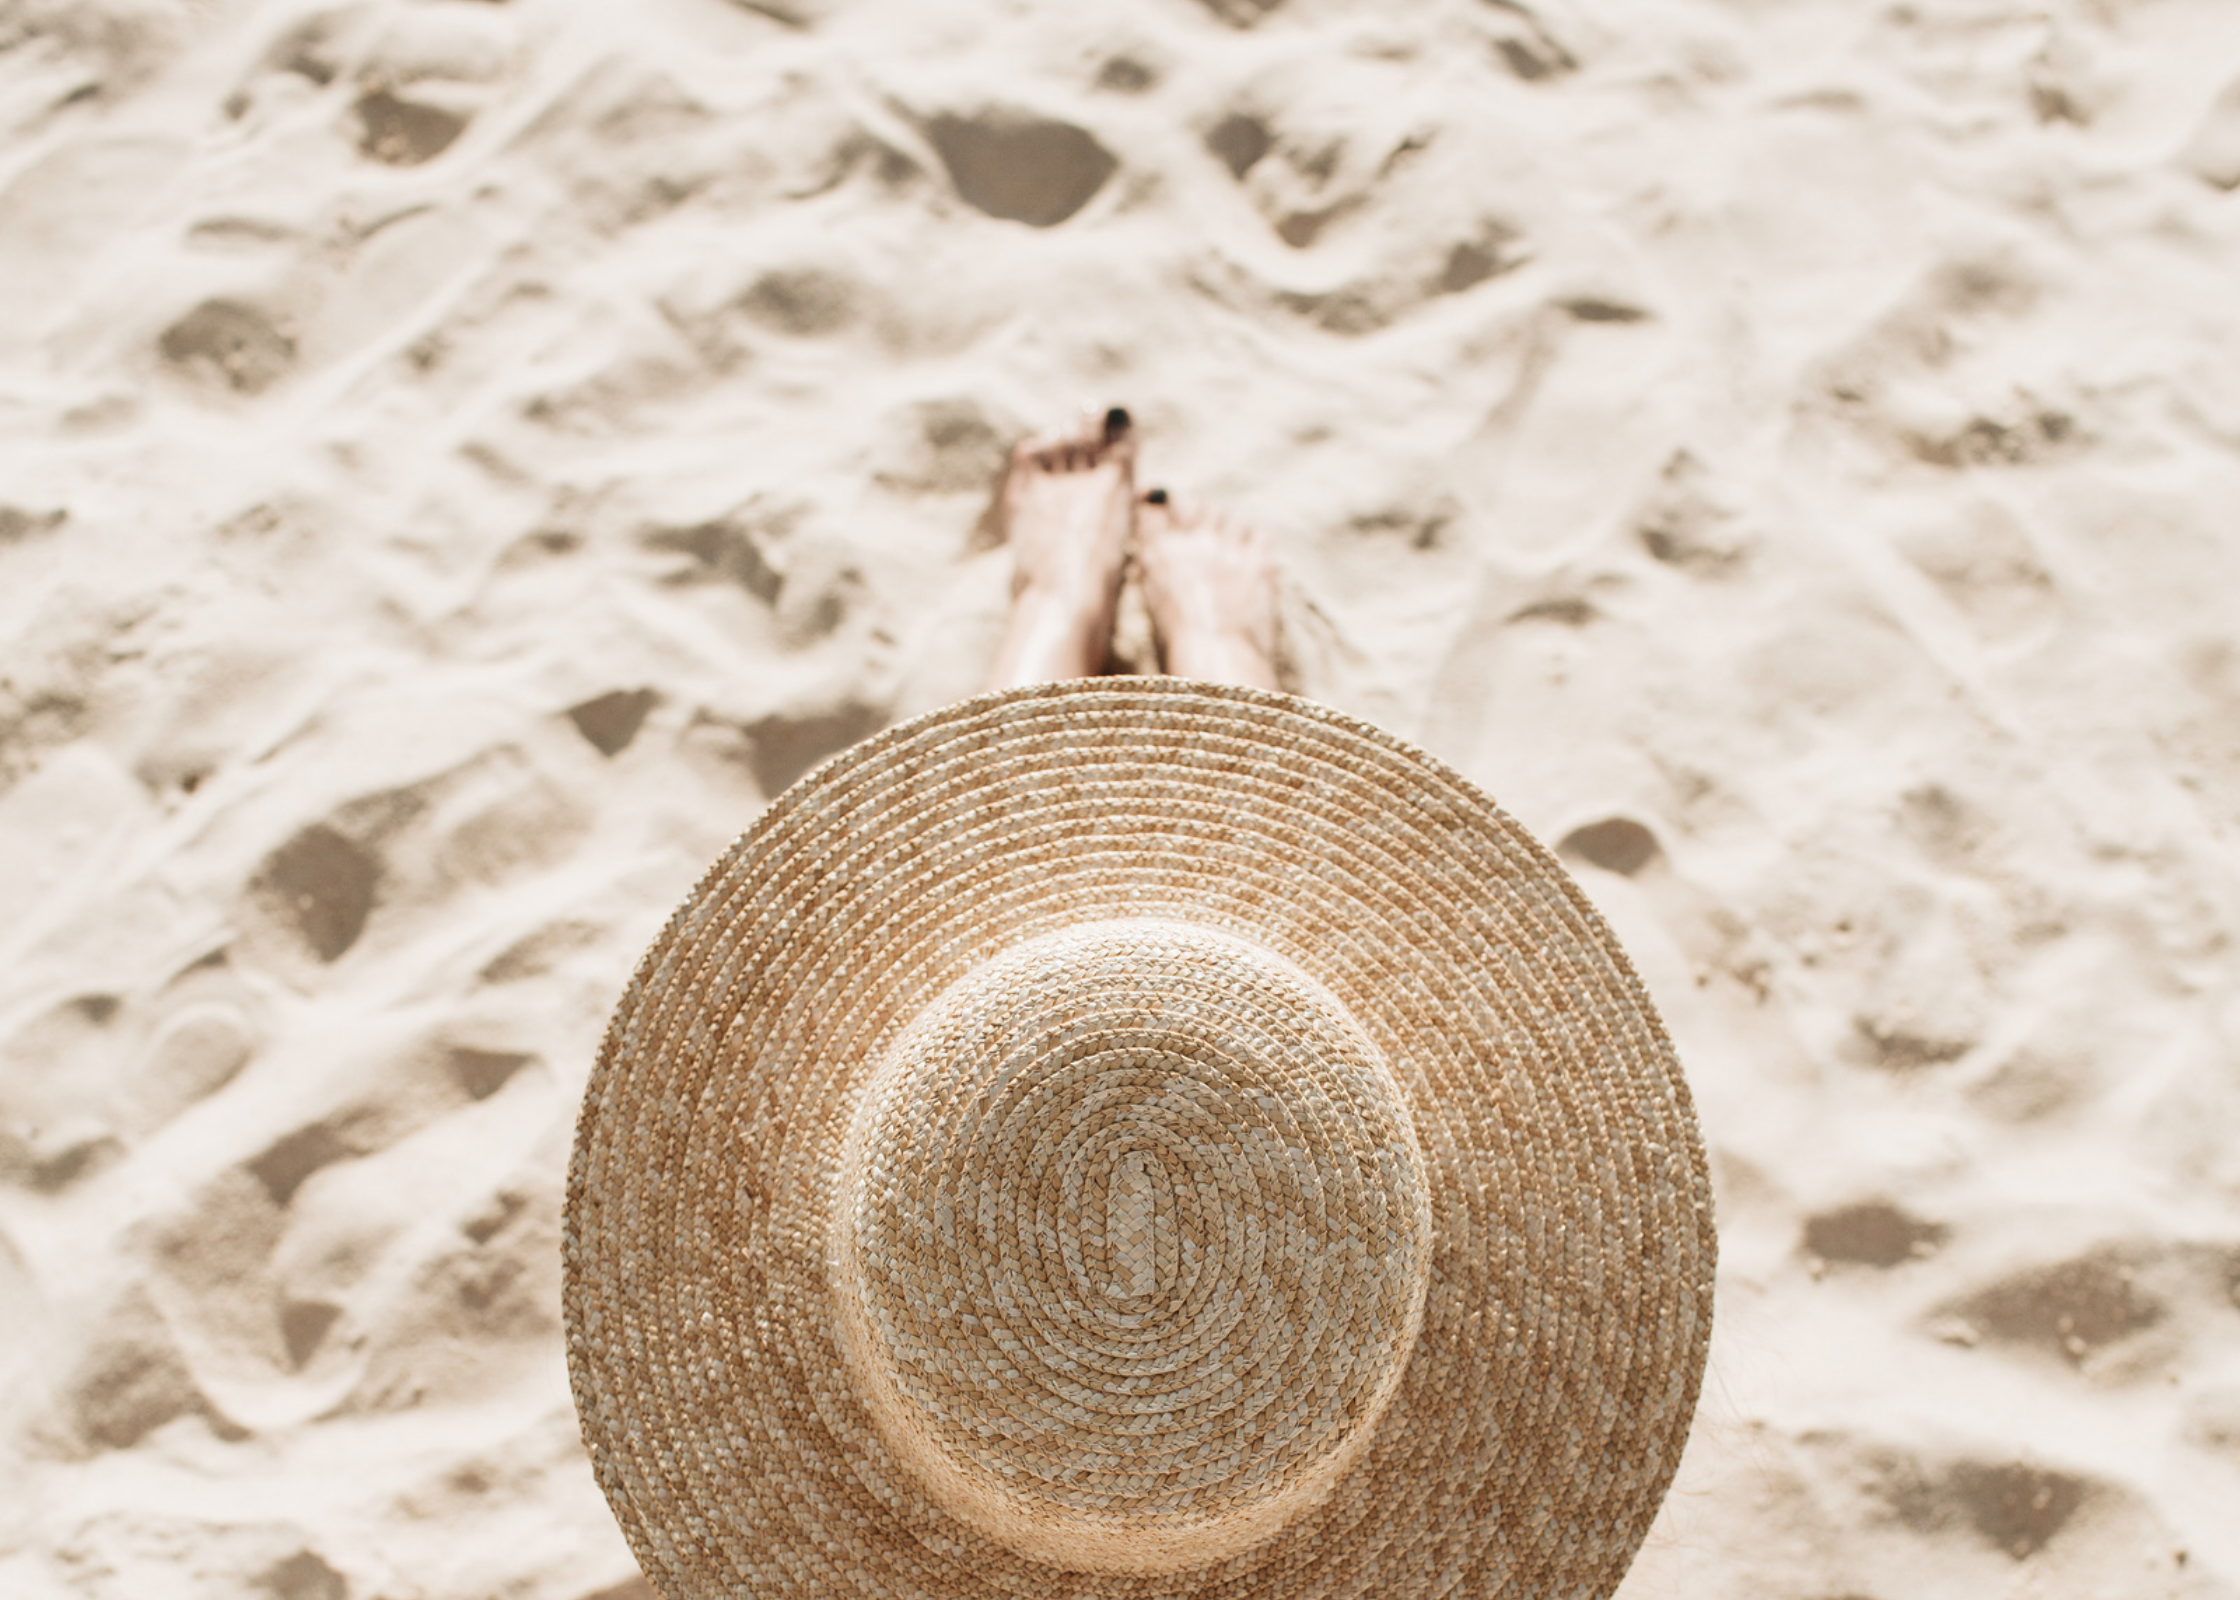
[(1132, 1137)]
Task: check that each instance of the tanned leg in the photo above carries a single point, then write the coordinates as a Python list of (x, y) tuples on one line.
[(1068, 504), (1209, 582)]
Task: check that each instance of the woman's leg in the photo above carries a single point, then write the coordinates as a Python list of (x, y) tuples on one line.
[(1209, 582), (1068, 504)]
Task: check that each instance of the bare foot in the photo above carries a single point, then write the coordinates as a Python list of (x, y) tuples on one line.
[(1068, 500), (1210, 584)]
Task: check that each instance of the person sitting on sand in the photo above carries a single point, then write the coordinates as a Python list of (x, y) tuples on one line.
[(1135, 1134), (1069, 506)]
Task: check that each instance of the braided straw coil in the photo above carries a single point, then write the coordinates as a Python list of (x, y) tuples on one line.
[(1136, 1138)]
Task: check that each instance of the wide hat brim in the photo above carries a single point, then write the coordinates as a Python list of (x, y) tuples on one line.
[(1552, 1361)]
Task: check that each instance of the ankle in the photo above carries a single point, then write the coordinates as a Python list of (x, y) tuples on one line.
[(1050, 637), (1213, 656)]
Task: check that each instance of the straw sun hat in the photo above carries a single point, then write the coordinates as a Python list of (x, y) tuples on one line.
[(1133, 1137)]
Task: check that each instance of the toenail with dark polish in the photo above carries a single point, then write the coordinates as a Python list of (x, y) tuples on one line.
[(1157, 497), (1116, 422)]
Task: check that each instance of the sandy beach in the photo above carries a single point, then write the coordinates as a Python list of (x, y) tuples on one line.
[(460, 460)]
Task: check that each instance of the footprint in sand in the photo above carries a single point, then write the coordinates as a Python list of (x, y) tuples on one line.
[(405, 133), (1308, 180), (18, 526), (272, 1261), (1615, 844), (813, 585), (1021, 167), (1238, 141), (1126, 75), (1684, 523), (802, 302), (1525, 44), (290, 1161), (2013, 1506), (457, 1310), (941, 446), (131, 1378), (321, 884), (428, 1086), (420, 71), (2072, 1310), (303, 1576), (229, 343), (611, 720), (408, 852), (784, 745), (1871, 1233), (730, 549), (776, 748), (540, 951)]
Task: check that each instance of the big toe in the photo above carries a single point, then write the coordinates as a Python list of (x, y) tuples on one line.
[(1053, 450), (1095, 439), (1177, 515)]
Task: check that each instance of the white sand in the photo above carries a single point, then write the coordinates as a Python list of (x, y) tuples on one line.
[(456, 460)]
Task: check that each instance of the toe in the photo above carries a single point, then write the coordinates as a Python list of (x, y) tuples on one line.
[(1095, 439), (1086, 437), (1045, 451)]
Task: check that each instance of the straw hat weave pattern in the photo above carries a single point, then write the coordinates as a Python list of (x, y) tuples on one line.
[(1131, 1137)]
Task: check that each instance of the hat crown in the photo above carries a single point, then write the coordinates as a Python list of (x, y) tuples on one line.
[(1131, 1247)]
